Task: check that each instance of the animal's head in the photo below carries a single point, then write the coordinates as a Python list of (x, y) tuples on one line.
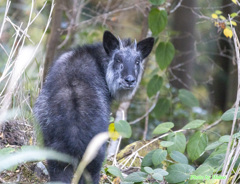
[(126, 64)]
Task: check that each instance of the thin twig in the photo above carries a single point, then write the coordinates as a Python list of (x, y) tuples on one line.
[(135, 152), (176, 7), (148, 112)]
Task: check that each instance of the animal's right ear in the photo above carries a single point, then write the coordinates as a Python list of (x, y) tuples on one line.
[(110, 42)]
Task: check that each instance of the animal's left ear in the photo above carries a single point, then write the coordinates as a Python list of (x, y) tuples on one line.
[(145, 46)]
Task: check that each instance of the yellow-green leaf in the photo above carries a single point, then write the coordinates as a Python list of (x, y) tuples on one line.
[(228, 32), (214, 16), (218, 12), (234, 23), (222, 17), (113, 134), (234, 1)]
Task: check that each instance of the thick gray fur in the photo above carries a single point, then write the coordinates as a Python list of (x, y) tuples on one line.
[(74, 103)]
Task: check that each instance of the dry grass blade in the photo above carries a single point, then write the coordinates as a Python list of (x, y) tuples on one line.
[(15, 67), (235, 148), (90, 153)]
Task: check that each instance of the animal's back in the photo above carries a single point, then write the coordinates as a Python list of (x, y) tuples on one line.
[(74, 103)]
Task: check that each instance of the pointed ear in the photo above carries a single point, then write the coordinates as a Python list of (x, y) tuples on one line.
[(110, 42), (145, 46)]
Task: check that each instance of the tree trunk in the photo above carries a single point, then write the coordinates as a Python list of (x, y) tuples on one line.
[(184, 24), (54, 37)]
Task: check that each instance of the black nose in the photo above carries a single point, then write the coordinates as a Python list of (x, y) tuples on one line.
[(130, 79)]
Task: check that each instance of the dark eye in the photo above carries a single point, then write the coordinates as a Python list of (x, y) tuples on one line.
[(137, 62), (117, 59)]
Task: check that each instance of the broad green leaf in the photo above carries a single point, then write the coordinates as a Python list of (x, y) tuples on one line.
[(179, 142), (216, 161), (225, 138), (154, 85), (157, 176), (166, 143), (229, 114), (164, 54), (219, 150), (157, 2), (161, 108), (194, 124), (213, 145), (123, 128), (203, 170), (196, 145), (147, 160), (158, 156), (179, 157), (160, 171), (187, 98), (114, 171), (236, 135), (149, 170), (163, 128), (136, 177), (157, 20), (178, 173)]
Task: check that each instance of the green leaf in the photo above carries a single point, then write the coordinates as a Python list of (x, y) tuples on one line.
[(136, 177), (225, 138), (162, 107), (218, 12), (213, 145), (179, 157), (196, 145), (216, 161), (158, 156), (178, 173), (219, 150), (166, 143), (147, 160), (157, 20), (154, 85), (179, 142), (114, 171), (164, 54), (157, 176), (229, 114), (163, 128), (160, 171), (157, 2), (187, 98), (149, 170), (233, 15), (203, 170), (123, 128), (194, 124)]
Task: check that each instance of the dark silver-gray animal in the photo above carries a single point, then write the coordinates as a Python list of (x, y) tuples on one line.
[(74, 104)]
